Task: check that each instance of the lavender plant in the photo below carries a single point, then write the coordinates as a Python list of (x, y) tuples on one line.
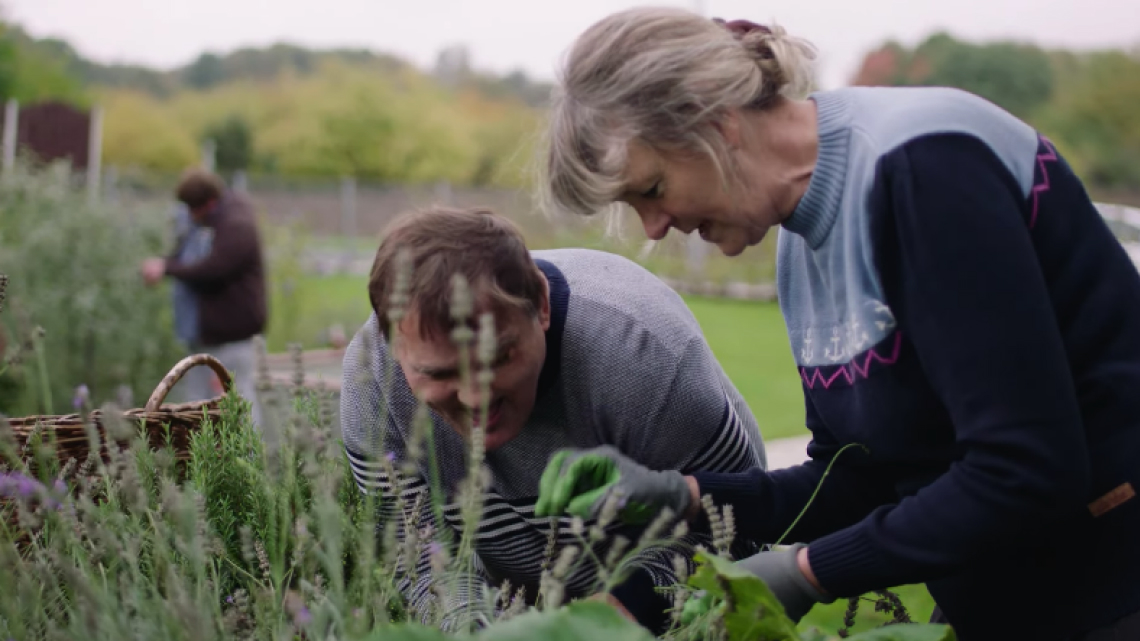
[(263, 534)]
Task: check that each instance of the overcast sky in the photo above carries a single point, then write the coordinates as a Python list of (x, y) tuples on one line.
[(531, 34)]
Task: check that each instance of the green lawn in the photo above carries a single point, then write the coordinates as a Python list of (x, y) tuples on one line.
[(749, 341)]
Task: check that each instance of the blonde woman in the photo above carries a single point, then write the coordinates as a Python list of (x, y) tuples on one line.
[(955, 306)]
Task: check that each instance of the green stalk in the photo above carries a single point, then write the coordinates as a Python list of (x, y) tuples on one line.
[(41, 361), (814, 493)]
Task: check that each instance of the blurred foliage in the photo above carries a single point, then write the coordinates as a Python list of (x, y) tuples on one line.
[(293, 111), (73, 270), (1085, 102), (342, 119), (288, 110), (234, 143), (33, 73)]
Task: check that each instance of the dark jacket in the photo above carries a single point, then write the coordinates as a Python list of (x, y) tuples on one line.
[(230, 281)]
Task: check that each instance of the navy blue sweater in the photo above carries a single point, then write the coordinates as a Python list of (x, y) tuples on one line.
[(958, 307)]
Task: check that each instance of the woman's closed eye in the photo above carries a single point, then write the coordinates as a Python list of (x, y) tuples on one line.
[(652, 192)]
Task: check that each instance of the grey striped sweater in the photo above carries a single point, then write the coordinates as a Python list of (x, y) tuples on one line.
[(627, 365)]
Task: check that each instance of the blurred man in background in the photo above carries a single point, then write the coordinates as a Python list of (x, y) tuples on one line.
[(219, 272)]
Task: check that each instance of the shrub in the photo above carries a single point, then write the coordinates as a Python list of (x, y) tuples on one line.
[(73, 269)]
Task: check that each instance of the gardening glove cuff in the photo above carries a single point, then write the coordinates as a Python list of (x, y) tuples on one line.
[(780, 570)]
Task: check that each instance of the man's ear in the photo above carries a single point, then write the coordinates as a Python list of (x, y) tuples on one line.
[(544, 308)]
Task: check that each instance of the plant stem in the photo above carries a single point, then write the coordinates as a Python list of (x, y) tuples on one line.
[(815, 493), (41, 361)]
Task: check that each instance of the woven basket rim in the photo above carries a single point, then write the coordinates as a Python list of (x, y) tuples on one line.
[(154, 407)]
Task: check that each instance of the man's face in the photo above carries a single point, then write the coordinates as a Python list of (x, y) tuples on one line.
[(431, 367), (200, 214)]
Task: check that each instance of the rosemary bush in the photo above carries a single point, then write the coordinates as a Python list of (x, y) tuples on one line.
[(77, 312)]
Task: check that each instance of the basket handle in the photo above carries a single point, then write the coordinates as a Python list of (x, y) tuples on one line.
[(184, 365)]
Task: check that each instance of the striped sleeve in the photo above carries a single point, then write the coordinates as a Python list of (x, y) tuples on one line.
[(376, 448), (694, 426)]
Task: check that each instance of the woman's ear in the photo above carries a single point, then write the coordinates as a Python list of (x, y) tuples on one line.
[(729, 127)]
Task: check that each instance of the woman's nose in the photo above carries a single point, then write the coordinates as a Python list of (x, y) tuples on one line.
[(655, 222)]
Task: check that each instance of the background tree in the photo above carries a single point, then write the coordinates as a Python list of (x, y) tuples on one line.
[(233, 140)]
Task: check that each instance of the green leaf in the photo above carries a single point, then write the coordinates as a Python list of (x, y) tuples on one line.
[(406, 632), (908, 632), (579, 621), (756, 613)]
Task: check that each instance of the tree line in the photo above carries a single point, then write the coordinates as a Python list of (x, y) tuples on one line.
[(292, 111), (1086, 103)]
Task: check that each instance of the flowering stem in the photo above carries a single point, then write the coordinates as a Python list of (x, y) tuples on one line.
[(41, 361), (819, 485)]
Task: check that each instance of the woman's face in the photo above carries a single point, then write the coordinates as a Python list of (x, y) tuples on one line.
[(773, 153), (685, 192)]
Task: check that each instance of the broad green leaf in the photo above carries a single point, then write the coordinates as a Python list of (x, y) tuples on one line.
[(406, 632), (908, 632), (756, 614), (579, 621)]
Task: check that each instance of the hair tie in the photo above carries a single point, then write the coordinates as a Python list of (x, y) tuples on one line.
[(741, 28)]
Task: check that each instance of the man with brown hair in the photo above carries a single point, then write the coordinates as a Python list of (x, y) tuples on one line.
[(226, 280), (591, 350)]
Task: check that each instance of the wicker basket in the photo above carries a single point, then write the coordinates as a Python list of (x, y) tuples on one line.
[(68, 433)]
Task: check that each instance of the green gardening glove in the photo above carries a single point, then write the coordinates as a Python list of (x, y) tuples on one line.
[(697, 605), (579, 482)]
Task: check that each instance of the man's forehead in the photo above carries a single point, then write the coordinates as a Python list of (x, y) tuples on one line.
[(438, 351)]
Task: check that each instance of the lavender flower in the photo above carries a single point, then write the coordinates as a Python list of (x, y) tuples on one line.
[(82, 394), (15, 484), (303, 616)]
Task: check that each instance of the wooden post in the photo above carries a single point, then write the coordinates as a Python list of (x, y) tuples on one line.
[(240, 182), (95, 153), (348, 206), (443, 192), (696, 249), (111, 184), (11, 127), (209, 149)]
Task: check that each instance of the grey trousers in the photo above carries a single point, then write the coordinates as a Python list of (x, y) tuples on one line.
[(240, 358)]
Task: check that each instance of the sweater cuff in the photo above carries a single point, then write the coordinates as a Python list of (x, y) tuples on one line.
[(735, 489), (639, 595), (847, 564)]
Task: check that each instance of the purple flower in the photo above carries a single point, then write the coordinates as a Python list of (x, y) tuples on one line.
[(81, 396), (59, 486), (303, 616), (16, 484), (391, 456), (435, 548), (230, 599)]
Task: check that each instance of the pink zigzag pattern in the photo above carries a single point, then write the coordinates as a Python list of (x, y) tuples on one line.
[(850, 370), (1042, 186)]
